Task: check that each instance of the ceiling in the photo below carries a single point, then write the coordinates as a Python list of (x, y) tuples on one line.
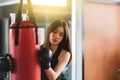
[(105, 1), (67, 8), (8, 2)]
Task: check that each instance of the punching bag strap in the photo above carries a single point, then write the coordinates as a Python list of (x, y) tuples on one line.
[(19, 16), (32, 18), (19, 19)]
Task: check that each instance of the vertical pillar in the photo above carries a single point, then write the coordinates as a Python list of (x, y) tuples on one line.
[(4, 25)]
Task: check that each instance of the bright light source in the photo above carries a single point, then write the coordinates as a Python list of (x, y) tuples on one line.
[(61, 3)]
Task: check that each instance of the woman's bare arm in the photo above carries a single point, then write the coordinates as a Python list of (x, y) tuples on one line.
[(63, 60)]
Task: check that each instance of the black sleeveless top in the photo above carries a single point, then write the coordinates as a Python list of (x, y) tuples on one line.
[(53, 64)]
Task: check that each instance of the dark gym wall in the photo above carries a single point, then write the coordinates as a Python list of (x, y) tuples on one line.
[(0, 13), (6, 10)]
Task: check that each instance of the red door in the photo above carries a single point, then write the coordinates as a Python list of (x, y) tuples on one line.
[(101, 35)]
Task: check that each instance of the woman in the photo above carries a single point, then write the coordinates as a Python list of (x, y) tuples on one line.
[(55, 54), (58, 41)]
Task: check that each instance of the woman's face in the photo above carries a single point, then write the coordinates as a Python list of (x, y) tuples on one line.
[(56, 36)]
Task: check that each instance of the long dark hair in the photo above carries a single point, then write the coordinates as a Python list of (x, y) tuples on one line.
[(65, 43)]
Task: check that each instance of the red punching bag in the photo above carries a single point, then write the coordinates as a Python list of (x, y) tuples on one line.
[(23, 46)]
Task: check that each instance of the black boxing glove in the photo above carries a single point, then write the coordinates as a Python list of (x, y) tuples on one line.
[(6, 63), (45, 56)]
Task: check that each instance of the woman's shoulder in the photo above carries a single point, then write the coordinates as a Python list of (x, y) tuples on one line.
[(64, 53), (64, 57)]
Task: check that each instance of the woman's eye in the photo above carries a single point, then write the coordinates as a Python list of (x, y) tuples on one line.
[(61, 35), (54, 31)]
